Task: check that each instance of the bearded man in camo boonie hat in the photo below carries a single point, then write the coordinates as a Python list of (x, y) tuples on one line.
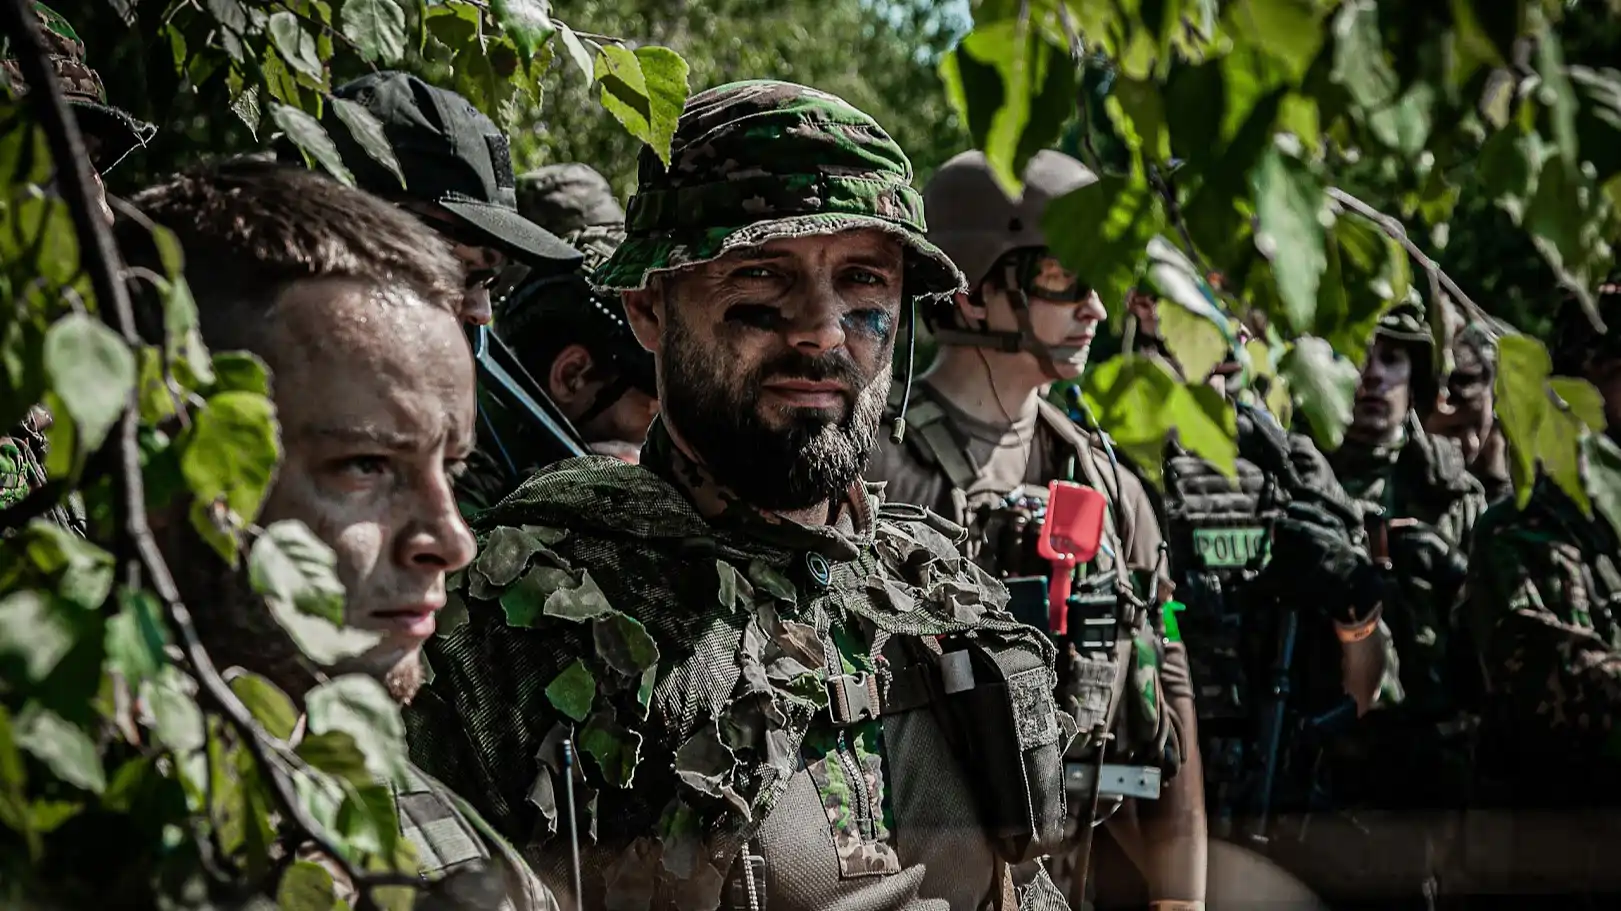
[(739, 635)]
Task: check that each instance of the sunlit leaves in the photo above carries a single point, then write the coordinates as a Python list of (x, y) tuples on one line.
[(1006, 79), (92, 371), (227, 458), (307, 133), (288, 562), (1289, 32), (368, 132), (62, 746), (1101, 232), (577, 51), (645, 91), (1543, 418), (1323, 386), (359, 706), (1139, 404), (375, 27), (1290, 207), (296, 46), (527, 22)]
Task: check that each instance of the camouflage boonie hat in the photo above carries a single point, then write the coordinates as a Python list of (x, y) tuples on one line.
[(565, 198), (118, 131), (762, 160)]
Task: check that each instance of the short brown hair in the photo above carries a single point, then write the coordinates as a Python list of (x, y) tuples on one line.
[(251, 228)]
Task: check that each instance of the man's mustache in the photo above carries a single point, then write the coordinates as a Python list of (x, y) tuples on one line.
[(795, 365)]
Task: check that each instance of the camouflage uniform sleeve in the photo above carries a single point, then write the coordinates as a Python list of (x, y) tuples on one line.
[(1542, 658)]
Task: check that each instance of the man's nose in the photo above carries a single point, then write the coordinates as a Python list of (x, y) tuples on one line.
[(1092, 309), (816, 321), (476, 307), (435, 537)]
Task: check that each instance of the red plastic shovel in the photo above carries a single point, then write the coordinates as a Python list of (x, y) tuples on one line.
[(1070, 536)]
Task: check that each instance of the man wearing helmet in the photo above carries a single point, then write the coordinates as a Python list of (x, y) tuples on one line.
[(784, 692), (1543, 582), (1468, 410), (981, 445)]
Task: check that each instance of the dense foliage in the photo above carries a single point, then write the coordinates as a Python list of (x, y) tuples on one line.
[(132, 774)]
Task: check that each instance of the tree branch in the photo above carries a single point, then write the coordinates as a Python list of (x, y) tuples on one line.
[(137, 549)]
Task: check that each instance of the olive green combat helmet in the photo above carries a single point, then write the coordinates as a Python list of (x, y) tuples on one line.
[(116, 132), (979, 225), (1407, 326)]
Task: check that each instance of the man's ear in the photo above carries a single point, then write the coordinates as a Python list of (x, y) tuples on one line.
[(566, 381), (975, 312), (644, 310)]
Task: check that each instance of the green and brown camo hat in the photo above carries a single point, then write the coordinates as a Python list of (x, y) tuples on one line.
[(762, 160), (116, 133)]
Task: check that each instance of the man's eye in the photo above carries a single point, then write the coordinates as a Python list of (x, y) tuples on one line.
[(867, 277), (364, 465), (753, 272)]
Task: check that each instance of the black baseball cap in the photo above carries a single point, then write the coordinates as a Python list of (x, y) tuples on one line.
[(451, 155)]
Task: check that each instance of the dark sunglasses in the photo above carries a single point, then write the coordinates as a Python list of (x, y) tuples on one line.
[(1027, 272)]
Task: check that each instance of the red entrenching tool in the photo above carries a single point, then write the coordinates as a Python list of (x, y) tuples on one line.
[(1070, 536)]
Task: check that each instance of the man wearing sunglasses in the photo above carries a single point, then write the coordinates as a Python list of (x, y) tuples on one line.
[(457, 166), (981, 445)]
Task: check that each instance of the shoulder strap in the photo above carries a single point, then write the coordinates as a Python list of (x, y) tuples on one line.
[(927, 424)]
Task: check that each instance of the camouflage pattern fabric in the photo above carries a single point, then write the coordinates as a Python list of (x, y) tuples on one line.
[(679, 638), (20, 471), (830, 168), (119, 132), (1543, 587)]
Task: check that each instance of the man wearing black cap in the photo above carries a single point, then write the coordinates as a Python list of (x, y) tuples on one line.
[(458, 180)]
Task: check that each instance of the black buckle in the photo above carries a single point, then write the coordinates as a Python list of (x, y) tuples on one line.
[(852, 698)]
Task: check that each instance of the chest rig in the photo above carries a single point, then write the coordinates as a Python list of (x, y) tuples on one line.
[(1108, 662)]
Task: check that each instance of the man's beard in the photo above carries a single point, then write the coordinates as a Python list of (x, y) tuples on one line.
[(807, 462)]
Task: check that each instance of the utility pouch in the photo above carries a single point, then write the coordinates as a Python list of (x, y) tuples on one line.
[(1001, 697), (1146, 718)]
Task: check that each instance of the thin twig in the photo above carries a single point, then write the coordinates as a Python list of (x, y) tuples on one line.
[(138, 550), (1396, 231)]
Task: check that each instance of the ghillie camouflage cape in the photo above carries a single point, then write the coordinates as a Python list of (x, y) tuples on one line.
[(684, 642)]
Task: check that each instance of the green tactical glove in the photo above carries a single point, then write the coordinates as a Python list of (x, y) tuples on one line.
[(1314, 561), (1419, 551)]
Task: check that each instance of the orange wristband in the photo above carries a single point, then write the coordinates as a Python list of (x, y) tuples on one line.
[(1175, 905), (1361, 629)]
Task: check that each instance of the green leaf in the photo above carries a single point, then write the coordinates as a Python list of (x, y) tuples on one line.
[(63, 747), (307, 133), (1560, 97), (1194, 341), (527, 22), (1288, 31), (665, 75), (524, 601), (998, 77), (136, 637), (267, 703), (625, 644), (1509, 165), (290, 563), (295, 45), (92, 371), (307, 886), (1101, 231), (368, 132), (1208, 426), (321, 640), (1584, 401), (37, 631), (572, 691), (1520, 387), (578, 602), (506, 553), (577, 50), (1569, 221), (375, 27), (336, 754), (82, 572), (1290, 203), (359, 706), (177, 720), (1559, 438), (239, 371), (1360, 64), (1604, 476), (613, 747), (227, 458), (1323, 387)]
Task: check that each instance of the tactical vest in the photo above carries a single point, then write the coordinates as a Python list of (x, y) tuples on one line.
[(1109, 668), (455, 857)]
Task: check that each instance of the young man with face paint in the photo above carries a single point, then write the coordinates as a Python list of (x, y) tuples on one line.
[(353, 306), (780, 690)]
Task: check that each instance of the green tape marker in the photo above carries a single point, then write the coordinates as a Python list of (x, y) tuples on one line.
[(1173, 632)]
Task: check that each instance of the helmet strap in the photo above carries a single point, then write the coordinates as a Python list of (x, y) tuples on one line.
[(897, 433)]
